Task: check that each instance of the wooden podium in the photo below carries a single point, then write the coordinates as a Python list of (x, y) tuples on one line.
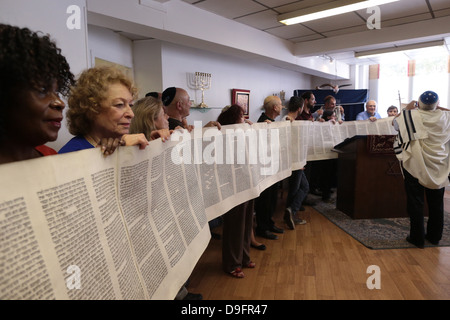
[(370, 182)]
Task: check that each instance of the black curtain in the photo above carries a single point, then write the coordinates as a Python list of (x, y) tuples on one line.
[(352, 101)]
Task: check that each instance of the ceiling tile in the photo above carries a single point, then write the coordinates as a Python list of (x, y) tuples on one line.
[(263, 14), (440, 4), (231, 8), (395, 10), (275, 3), (342, 21), (404, 20), (298, 5), (288, 32), (442, 13), (261, 20)]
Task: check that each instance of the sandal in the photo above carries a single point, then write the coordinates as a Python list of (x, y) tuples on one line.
[(237, 273), (251, 264)]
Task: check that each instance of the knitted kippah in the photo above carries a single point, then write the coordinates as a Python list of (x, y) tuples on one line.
[(429, 99), (168, 95)]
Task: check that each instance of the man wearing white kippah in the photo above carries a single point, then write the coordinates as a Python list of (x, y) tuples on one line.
[(423, 145)]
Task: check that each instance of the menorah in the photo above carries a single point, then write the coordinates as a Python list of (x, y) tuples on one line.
[(202, 81)]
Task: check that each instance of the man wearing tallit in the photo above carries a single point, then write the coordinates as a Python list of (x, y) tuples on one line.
[(422, 146)]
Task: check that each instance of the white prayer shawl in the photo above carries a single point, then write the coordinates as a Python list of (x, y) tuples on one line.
[(423, 145)]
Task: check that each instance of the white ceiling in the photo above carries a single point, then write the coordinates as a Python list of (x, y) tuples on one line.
[(340, 36)]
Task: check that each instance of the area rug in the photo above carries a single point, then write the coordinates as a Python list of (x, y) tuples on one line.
[(377, 233)]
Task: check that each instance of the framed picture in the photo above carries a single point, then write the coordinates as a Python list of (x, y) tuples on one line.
[(242, 98)]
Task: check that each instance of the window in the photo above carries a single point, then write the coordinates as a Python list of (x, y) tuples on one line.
[(392, 85), (432, 74)]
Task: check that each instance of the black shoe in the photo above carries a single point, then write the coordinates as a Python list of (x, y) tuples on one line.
[(266, 234), (260, 247), (276, 229), (302, 208), (193, 296), (288, 218), (418, 245), (435, 243)]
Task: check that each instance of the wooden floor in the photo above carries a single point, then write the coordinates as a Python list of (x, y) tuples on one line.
[(320, 261)]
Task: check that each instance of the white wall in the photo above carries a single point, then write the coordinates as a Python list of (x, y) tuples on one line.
[(159, 65), (227, 73), (359, 78), (50, 16), (108, 45), (148, 66)]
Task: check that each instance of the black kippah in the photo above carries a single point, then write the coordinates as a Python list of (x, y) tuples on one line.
[(152, 94), (168, 95)]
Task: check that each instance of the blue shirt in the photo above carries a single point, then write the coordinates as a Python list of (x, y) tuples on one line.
[(75, 144), (365, 116)]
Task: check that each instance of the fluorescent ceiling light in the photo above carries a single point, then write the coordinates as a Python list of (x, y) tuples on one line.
[(328, 9), (371, 53)]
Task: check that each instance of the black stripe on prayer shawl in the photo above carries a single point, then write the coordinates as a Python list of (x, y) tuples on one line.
[(412, 122), (400, 138), (398, 144), (410, 128), (406, 145), (398, 150)]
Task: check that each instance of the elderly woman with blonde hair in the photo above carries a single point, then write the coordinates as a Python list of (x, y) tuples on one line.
[(100, 112)]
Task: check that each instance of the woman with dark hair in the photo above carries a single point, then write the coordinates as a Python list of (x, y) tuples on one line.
[(231, 115), (238, 222), (33, 74)]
